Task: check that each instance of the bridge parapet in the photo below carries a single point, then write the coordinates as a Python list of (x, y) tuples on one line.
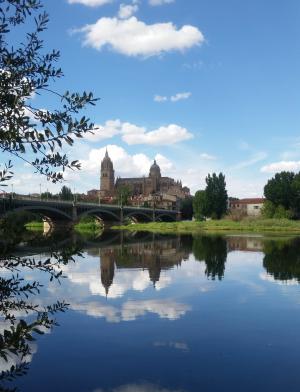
[(71, 212)]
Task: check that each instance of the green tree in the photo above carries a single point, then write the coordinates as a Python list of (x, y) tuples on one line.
[(216, 195), (26, 69), (186, 208), (213, 251), (200, 205), (296, 195), (280, 190), (123, 194), (268, 209), (66, 193), (46, 195)]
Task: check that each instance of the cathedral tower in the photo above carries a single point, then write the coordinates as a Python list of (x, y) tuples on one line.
[(107, 177), (155, 177)]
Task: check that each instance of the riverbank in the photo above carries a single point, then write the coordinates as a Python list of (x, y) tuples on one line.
[(224, 225), (35, 225)]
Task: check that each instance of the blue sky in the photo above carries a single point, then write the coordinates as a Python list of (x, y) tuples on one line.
[(201, 85)]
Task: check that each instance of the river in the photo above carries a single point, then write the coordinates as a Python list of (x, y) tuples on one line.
[(153, 313)]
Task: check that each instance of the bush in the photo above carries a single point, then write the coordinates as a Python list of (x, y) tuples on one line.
[(270, 210), (236, 215), (282, 213)]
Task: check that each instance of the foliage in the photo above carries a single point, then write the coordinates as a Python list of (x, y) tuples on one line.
[(216, 195), (123, 193), (236, 215), (200, 205), (66, 193), (268, 209), (282, 260), (282, 213), (250, 225), (26, 70), (24, 318), (13, 222), (280, 190), (186, 208), (212, 202), (47, 196), (213, 251)]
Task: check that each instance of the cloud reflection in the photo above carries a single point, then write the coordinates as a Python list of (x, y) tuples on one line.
[(131, 310), (139, 387)]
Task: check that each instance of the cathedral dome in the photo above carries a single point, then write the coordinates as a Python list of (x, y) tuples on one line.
[(154, 170)]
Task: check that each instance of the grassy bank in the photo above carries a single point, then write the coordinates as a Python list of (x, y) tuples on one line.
[(247, 226), (88, 227), (34, 225)]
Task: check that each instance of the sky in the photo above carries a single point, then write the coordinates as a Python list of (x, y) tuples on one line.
[(201, 86)]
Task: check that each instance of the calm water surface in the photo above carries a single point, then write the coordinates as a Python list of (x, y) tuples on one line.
[(169, 313)]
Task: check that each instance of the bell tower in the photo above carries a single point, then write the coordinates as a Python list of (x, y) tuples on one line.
[(107, 177)]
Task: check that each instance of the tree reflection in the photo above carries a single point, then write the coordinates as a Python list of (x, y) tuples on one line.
[(213, 251), (21, 317), (282, 259)]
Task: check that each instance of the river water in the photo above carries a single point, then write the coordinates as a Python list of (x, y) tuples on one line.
[(153, 313)]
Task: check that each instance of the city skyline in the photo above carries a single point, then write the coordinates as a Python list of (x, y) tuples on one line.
[(212, 88)]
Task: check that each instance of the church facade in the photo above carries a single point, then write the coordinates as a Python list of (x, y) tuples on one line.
[(154, 184)]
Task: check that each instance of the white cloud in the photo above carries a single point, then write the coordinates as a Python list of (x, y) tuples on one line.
[(110, 129), (160, 98), (281, 166), (173, 98), (127, 10), (180, 96), (160, 2), (255, 158), (132, 37), (167, 135), (134, 134), (207, 157), (124, 163), (90, 3)]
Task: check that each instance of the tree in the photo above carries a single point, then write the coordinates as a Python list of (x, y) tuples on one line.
[(200, 205), (186, 208), (268, 209), (46, 196), (25, 70), (281, 191), (66, 193), (213, 251), (216, 195), (123, 194)]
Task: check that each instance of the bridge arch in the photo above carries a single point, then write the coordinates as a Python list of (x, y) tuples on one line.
[(139, 216), (50, 214), (165, 218), (100, 214)]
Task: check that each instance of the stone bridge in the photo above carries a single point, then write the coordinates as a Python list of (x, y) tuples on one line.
[(67, 213)]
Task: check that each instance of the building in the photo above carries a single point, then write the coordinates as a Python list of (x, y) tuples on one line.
[(250, 207), (142, 189)]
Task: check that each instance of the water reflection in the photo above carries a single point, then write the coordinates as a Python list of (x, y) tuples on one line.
[(153, 256), (282, 260), (160, 290)]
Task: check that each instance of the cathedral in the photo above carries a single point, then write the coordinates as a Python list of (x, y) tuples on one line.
[(142, 186)]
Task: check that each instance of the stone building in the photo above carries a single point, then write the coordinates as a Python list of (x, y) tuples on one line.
[(250, 206), (155, 183)]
